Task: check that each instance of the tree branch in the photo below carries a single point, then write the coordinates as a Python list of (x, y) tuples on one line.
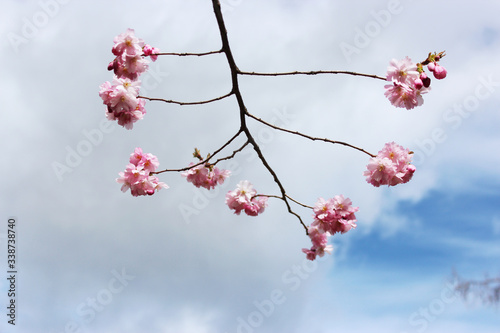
[(188, 54), (207, 159), (187, 103), (307, 136), (313, 73), (234, 78)]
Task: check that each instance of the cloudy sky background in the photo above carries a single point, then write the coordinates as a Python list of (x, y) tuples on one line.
[(209, 270)]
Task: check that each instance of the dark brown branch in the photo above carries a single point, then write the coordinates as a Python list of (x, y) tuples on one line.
[(299, 203), (307, 136), (232, 155), (187, 103), (278, 197), (205, 160), (188, 54), (314, 73), (234, 78)]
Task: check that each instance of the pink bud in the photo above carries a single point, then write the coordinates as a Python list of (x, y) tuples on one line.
[(439, 72), (431, 66), (110, 66), (418, 84), (425, 79)]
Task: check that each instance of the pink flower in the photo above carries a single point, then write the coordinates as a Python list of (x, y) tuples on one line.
[(121, 101), (403, 71), (205, 176), (320, 245), (150, 51), (137, 175), (408, 84), (244, 198), (390, 167), (130, 52), (404, 96), (127, 43), (334, 215), (129, 66), (256, 206)]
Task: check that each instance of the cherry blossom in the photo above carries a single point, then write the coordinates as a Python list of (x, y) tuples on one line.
[(407, 83), (320, 244), (206, 176), (390, 167), (130, 52), (244, 198), (334, 215), (121, 101), (137, 175), (402, 71)]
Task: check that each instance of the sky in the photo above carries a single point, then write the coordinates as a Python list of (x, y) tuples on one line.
[(90, 258)]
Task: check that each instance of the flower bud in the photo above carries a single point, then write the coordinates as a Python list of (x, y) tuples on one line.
[(439, 72)]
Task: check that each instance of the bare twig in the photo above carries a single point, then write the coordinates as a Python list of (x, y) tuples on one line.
[(205, 160), (307, 136), (233, 154), (314, 73), (188, 54), (187, 103)]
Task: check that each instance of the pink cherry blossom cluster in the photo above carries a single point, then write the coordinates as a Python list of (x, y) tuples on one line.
[(121, 101), (137, 176), (244, 198), (320, 244), (204, 175), (410, 82), (330, 217), (130, 53), (390, 167), (121, 96)]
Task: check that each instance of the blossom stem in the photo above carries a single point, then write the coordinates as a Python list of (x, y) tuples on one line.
[(281, 198), (308, 136), (208, 158), (187, 103), (188, 54), (313, 73)]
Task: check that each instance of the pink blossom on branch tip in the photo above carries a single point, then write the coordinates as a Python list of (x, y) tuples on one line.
[(122, 102), (137, 175), (244, 198), (206, 176), (391, 166)]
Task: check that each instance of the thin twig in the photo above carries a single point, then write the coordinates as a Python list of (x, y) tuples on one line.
[(298, 203), (307, 136), (233, 154), (281, 198), (187, 103), (205, 160), (188, 54), (313, 73)]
